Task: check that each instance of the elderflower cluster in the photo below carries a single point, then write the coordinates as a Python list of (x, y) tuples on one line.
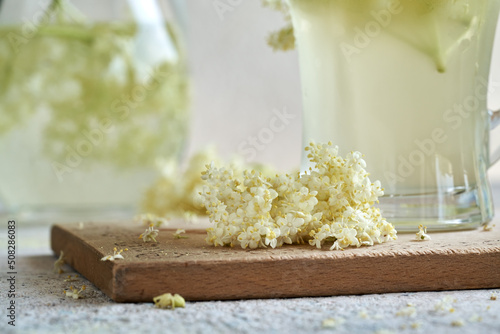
[(332, 202)]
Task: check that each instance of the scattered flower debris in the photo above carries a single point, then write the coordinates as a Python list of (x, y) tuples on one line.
[(458, 323), (408, 311), (116, 255), (148, 218), (475, 318), (422, 233), (177, 234), (445, 304), (74, 293), (59, 263), (332, 322), (332, 202), (169, 301), (150, 234), (488, 227), (71, 279)]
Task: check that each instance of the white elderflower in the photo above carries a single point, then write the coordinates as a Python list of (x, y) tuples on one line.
[(74, 293), (408, 311), (177, 234), (169, 301), (488, 227), (59, 263), (272, 237), (387, 231), (332, 322), (150, 234), (332, 202), (363, 314), (71, 279), (116, 255), (422, 233), (221, 235), (148, 219)]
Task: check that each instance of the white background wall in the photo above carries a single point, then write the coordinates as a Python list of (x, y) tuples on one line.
[(239, 80)]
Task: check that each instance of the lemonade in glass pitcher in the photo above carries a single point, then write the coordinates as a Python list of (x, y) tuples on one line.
[(406, 83)]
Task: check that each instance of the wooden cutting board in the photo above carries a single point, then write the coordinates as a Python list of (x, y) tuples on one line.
[(197, 271)]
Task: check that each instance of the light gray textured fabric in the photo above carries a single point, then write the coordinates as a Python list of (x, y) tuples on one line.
[(42, 308)]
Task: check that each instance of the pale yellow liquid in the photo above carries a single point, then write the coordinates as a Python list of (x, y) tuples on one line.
[(400, 87)]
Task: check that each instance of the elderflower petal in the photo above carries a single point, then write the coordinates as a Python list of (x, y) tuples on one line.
[(177, 234), (150, 234), (331, 203), (422, 235), (169, 301), (74, 293), (445, 305), (59, 263), (408, 311), (332, 322), (116, 255), (488, 227)]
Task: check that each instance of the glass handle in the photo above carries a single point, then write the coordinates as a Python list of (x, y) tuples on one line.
[(494, 139)]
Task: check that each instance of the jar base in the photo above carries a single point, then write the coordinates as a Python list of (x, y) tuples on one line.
[(456, 209)]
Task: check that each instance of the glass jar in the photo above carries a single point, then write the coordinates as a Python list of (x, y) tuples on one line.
[(93, 94)]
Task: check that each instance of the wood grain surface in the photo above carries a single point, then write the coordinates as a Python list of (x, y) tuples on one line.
[(197, 271)]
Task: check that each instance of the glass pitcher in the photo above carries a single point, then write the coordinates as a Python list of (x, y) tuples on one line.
[(405, 82), (92, 95)]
